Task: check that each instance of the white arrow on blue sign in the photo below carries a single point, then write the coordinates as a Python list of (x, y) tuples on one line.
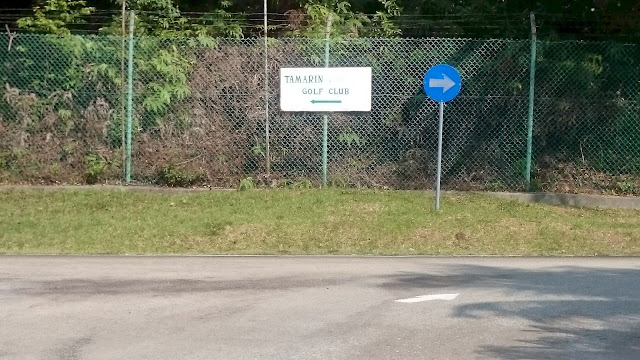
[(442, 83)]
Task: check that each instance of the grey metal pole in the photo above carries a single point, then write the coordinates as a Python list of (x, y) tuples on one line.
[(532, 80), (129, 97), (325, 125), (439, 169), (266, 90)]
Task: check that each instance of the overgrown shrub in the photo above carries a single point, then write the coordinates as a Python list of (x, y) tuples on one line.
[(176, 176), (96, 167), (246, 184)]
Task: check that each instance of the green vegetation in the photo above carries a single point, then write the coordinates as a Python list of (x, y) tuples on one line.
[(95, 168), (174, 176), (61, 94), (295, 221), (199, 96)]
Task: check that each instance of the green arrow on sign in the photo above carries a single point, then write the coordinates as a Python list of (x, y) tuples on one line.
[(326, 101)]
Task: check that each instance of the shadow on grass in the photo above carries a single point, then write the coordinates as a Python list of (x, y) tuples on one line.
[(571, 312)]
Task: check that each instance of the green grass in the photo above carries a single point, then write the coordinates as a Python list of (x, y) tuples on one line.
[(303, 222)]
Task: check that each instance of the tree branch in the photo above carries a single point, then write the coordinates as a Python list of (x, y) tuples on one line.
[(11, 36)]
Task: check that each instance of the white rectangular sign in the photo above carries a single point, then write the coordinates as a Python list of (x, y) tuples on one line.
[(325, 89)]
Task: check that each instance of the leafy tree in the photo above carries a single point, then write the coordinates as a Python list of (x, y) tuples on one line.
[(383, 22), (163, 66), (345, 22), (56, 16), (164, 18)]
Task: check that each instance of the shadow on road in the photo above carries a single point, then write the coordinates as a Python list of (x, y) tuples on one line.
[(572, 312)]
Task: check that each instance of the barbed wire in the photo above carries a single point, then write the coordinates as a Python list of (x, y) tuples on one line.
[(412, 25), (287, 13)]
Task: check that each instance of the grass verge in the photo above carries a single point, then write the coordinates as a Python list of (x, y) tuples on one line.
[(303, 222)]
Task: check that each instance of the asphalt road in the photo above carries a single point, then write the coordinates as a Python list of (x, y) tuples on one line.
[(319, 308)]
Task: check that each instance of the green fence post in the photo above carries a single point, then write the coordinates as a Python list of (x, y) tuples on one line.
[(325, 125), (129, 98), (123, 91), (532, 78)]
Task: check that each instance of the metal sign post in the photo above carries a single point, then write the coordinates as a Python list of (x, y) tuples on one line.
[(441, 83), (439, 169)]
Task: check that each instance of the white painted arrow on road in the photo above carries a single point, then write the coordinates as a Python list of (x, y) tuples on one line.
[(428, 298), (445, 83)]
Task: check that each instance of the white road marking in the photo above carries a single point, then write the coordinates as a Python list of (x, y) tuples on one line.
[(428, 298)]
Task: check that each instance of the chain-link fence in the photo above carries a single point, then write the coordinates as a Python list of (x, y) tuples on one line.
[(199, 114), (587, 131), (59, 118)]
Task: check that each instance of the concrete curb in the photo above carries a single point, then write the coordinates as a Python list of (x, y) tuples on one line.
[(576, 200)]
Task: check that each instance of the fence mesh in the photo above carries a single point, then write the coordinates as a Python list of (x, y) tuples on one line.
[(587, 132), (199, 114)]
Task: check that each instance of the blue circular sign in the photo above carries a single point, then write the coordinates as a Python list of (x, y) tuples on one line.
[(442, 83)]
